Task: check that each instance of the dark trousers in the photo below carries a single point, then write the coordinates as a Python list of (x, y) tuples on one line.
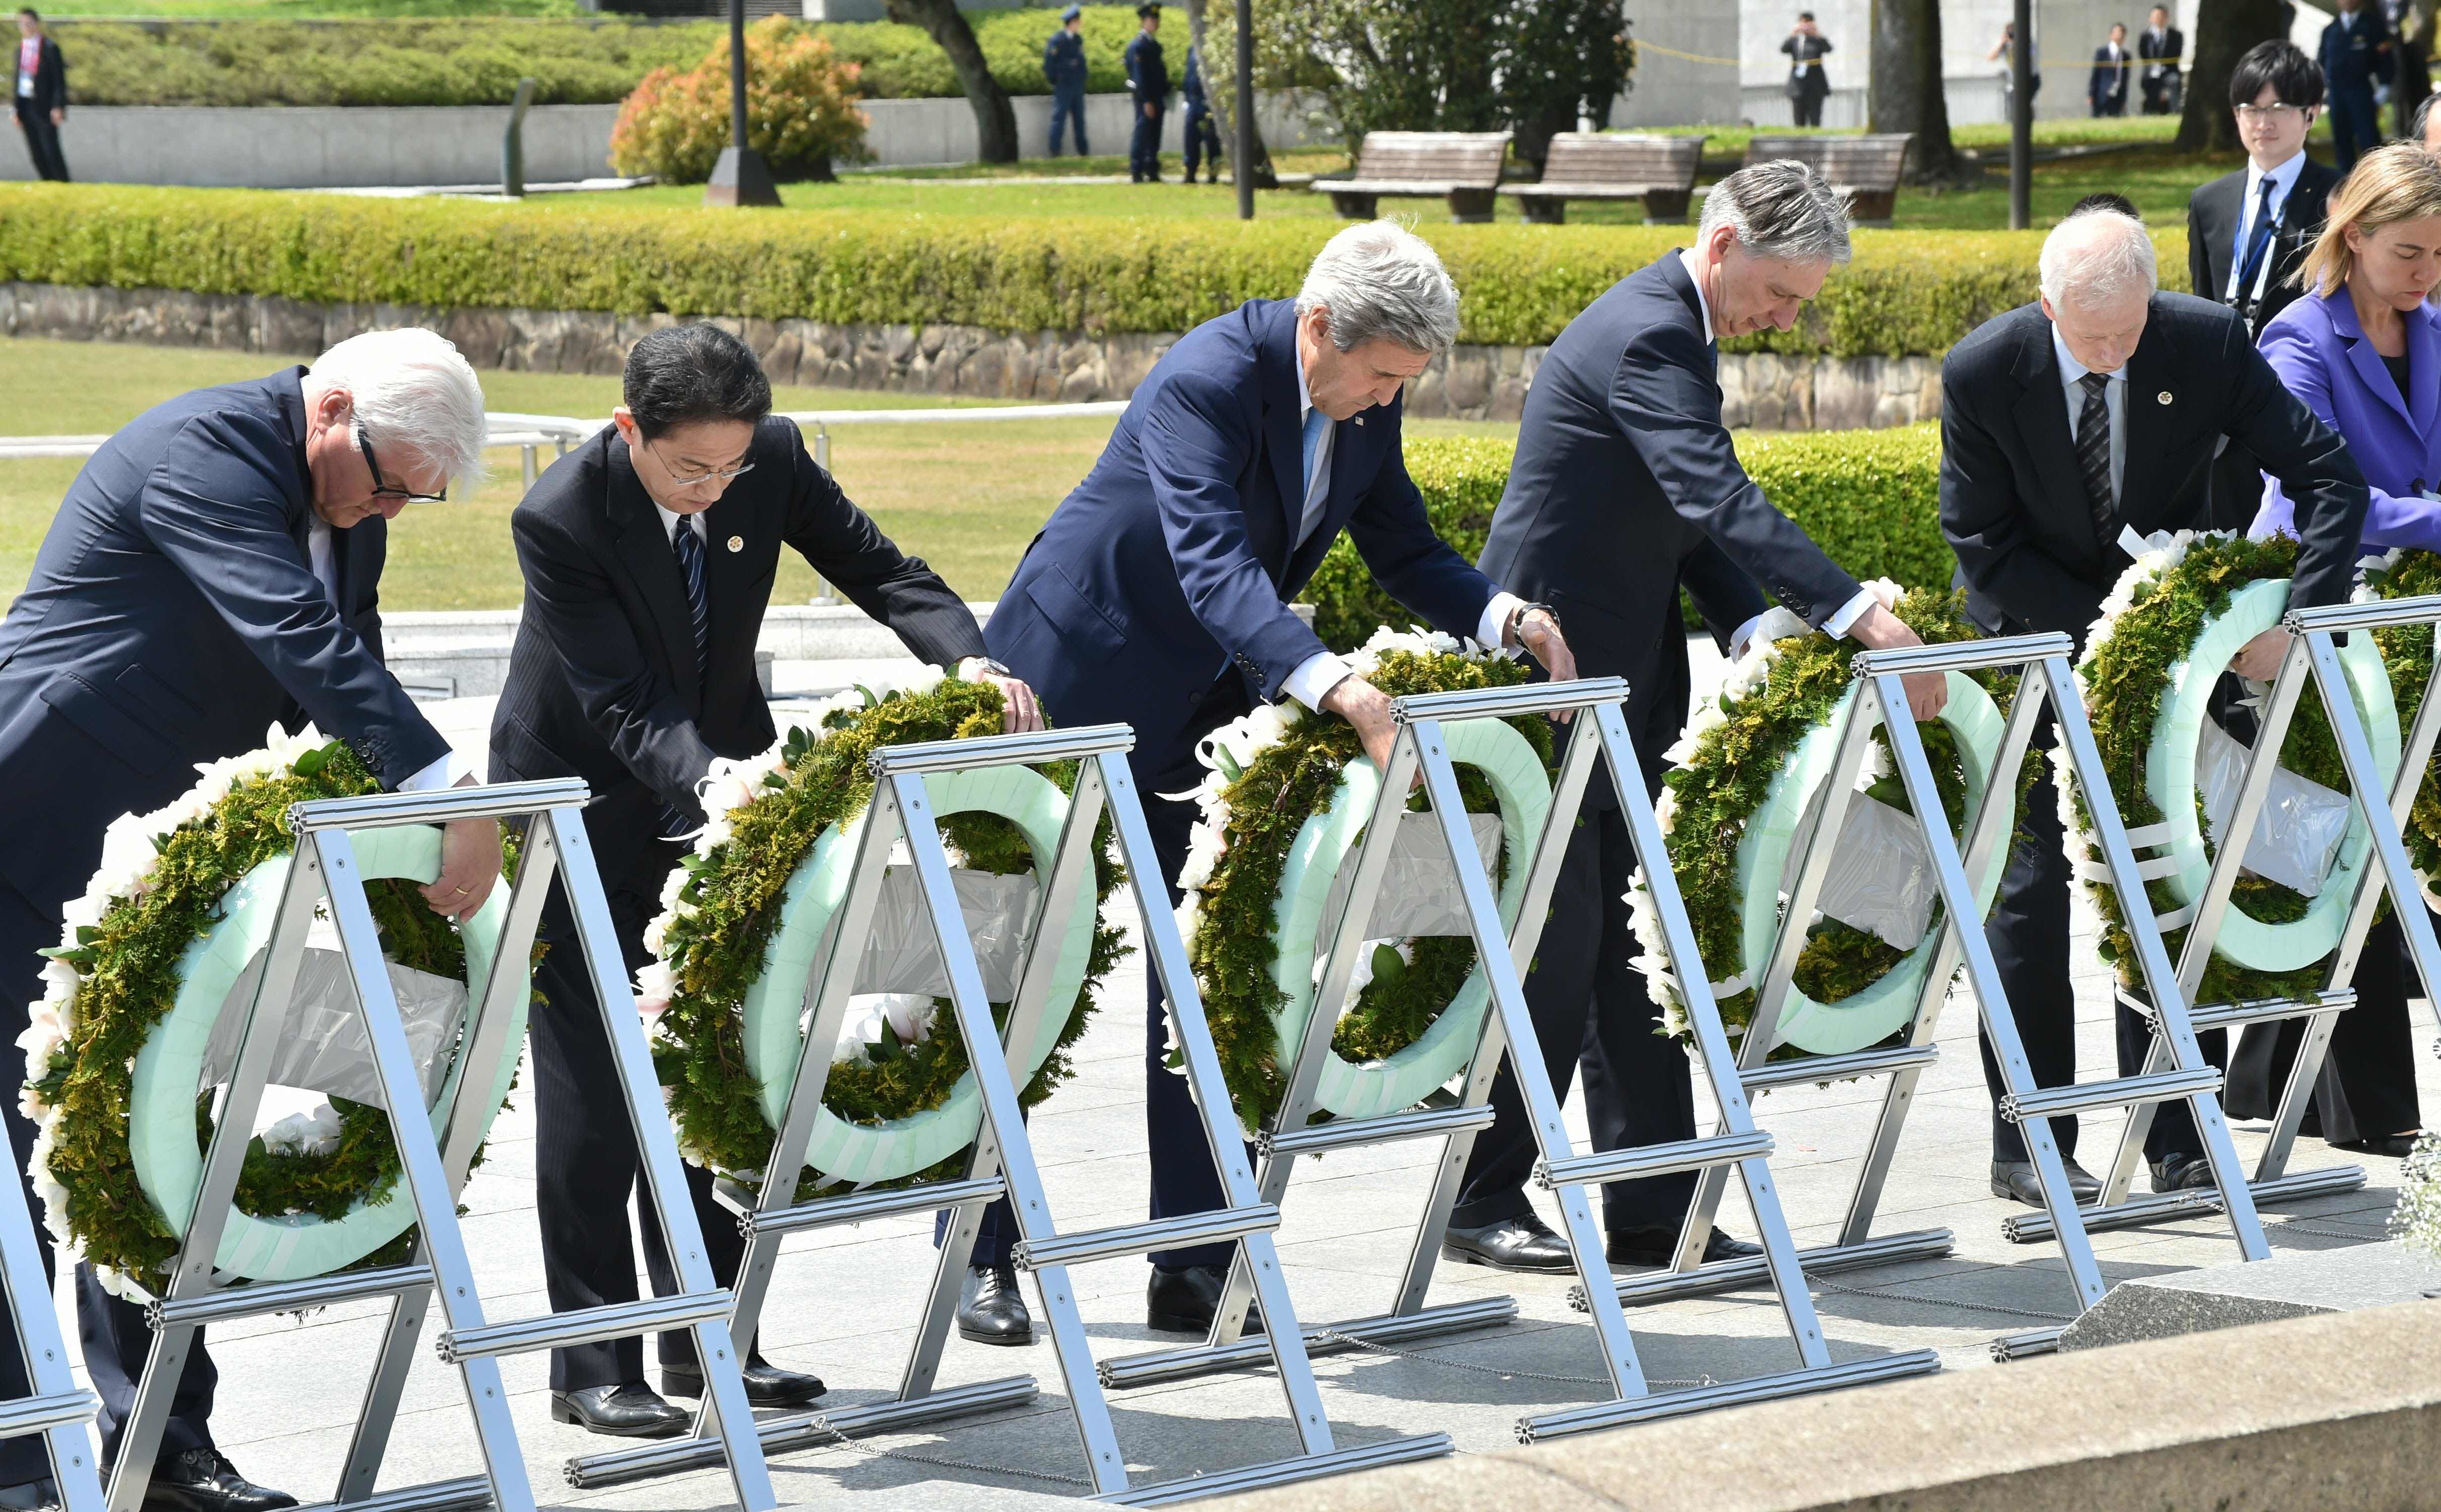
[(1184, 1178), (1144, 145), (2367, 1087), (2028, 935), (1588, 1002), (1807, 108), (1068, 107), (2356, 124), (115, 1335), (42, 146), (586, 1162), (1202, 139)]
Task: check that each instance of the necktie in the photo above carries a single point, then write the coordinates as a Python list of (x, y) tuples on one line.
[(2093, 451), (1309, 507), (2258, 243), (689, 548)]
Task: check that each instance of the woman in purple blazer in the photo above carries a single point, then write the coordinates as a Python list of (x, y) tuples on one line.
[(2364, 351)]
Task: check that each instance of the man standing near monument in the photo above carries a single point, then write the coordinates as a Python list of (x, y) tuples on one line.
[(214, 570), (1808, 87), (2354, 56), (2106, 87), (1063, 65), (1148, 95), (2160, 47), (1158, 594), (1626, 489), (42, 96)]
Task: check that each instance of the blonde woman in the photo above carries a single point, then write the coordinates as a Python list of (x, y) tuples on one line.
[(2362, 350)]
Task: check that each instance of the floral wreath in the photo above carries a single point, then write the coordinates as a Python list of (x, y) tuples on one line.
[(773, 820), (1741, 776), (171, 886), (1275, 778), (2187, 596)]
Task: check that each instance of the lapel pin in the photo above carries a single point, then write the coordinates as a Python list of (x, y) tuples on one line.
[(2161, 398), (1360, 420), (737, 543)]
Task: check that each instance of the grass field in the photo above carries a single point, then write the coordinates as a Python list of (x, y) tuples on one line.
[(966, 498)]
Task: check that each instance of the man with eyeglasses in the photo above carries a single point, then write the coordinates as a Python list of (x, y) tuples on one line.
[(213, 571), (649, 553), (2248, 231)]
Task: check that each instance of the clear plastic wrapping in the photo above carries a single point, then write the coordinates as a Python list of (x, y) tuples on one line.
[(900, 955), (1880, 878), (1419, 892), (2297, 836), (322, 1046)]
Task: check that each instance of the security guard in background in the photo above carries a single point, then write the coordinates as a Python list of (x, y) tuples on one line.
[(1148, 87), (1063, 64), (1203, 137)]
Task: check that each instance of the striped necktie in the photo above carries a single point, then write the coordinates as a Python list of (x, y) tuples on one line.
[(689, 548), (2093, 451)]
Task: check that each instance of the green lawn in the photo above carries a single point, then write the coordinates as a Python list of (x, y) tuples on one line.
[(305, 9), (966, 498)]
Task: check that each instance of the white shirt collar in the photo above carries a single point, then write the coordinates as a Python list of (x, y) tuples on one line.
[(2283, 178), (670, 519), (1695, 276), (2072, 370)]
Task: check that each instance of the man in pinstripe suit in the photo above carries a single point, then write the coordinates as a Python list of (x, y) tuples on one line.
[(649, 553)]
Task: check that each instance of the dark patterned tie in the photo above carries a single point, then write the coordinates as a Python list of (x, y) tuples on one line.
[(689, 548), (2258, 242), (2093, 452)]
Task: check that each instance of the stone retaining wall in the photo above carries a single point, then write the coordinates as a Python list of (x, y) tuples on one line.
[(1472, 383)]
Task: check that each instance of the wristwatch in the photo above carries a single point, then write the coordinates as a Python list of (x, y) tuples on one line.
[(988, 664), (1516, 628)]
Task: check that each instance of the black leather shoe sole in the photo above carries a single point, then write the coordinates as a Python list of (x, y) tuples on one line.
[(680, 1381), (1179, 1323), (1467, 1255), (652, 1427)]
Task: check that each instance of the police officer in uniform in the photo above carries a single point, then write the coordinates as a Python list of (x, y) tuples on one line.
[(1063, 64), (1148, 88)]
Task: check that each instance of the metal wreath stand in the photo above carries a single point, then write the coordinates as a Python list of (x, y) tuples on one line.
[(2311, 655), (59, 1408), (1602, 732), (2180, 1071), (1003, 1160), (435, 1169)]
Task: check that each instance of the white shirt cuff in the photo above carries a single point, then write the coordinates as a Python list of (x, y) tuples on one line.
[(443, 773), (1314, 677), (1488, 630), (1745, 636), (1850, 612)]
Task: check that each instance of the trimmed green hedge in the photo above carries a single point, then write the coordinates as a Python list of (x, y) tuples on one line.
[(1868, 498), (1908, 291), (478, 62)]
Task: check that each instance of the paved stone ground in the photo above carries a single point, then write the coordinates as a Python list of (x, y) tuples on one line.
[(845, 1302)]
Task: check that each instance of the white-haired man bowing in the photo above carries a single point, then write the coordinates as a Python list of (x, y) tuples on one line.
[(2065, 424), (213, 569)]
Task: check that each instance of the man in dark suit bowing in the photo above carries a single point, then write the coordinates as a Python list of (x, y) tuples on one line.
[(214, 570), (649, 553), (2248, 231), (1158, 594), (1625, 489), (2065, 424)]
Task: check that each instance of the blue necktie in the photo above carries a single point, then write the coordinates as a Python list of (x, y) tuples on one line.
[(689, 548), (2258, 242), (1315, 423)]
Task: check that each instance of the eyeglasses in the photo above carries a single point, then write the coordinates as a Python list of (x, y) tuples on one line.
[(2267, 115), (382, 490), (718, 474)]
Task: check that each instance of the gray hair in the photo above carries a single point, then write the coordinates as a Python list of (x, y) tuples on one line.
[(1382, 281), (2096, 258), (1781, 209), (414, 391)]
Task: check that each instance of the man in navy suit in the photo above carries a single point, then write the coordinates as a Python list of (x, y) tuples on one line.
[(1625, 490), (2356, 51), (215, 568), (1158, 593)]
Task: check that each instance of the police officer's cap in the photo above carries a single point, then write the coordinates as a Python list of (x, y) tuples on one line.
[(1148, 11), (1071, 12)]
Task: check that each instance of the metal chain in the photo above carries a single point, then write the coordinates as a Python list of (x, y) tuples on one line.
[(1940, 1301), (2293, 1225), (1335, 1336), (943, 1461)]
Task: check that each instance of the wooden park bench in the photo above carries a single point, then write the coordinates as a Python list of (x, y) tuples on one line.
[(1866, 169), (1464, 166), (1660, 171)]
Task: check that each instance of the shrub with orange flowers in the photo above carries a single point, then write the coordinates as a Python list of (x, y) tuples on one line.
[(801, 111)]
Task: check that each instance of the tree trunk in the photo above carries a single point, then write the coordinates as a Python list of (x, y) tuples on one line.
[(1907, 94), (995, 119), (2224, 30), (1221, 91)]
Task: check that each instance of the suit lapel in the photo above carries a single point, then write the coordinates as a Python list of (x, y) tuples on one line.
[(1283, 427), (644, 548), (2424, 369), (2366, 361), (2150, 376), (2043, 427), (1348, 469), (728, 574)]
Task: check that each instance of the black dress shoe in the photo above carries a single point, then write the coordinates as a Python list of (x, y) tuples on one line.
[(992, 1310), (203, 1480), (2396, 1147), (1181, 1301), (626, 1410), (767, 1385), (2181, 1173), (30, 1496), (1656, 1244), (2015, 1180), (1512, 1244)]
